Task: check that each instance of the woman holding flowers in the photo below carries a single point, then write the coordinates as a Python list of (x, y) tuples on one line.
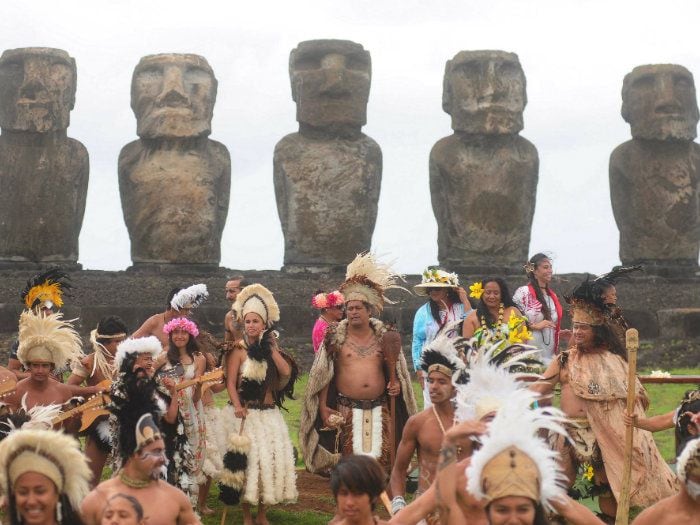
[(496, 316), (448, 302), (541, 306)]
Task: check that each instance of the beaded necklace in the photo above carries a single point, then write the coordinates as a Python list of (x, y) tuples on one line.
[(499, 322), (134, 483)]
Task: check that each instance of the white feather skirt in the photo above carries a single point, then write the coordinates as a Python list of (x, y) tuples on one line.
[(215, 443), (271, 473)]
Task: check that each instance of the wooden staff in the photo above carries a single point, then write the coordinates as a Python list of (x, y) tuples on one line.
[(623, 504), (391, 343)]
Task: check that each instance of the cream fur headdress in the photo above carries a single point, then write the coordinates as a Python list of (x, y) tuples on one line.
[(53, 454), (492, 383), (142, 345), (257, 299), (190, 297), (47, 338), (366, 279), (689, 460), (514, 461)]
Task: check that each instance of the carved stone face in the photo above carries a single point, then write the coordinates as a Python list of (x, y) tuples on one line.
[(37, 89), (330, 83), (173, 96), (659, 102), (484, 92)]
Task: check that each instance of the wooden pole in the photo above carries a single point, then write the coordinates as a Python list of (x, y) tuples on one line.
[(391, 345), (623, 504), (384, 497)]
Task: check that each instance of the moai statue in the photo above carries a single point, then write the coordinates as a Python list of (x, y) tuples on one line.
[(43, 173), (328, 175), (483, 177), (174, 181), (655, 177)]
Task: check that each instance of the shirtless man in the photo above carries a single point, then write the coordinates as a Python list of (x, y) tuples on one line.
[(232, 327), (357, 482), (154, 324), (351, 381), (93, 369), (163, 504), (424, 433), (592, 375), (46, 343)]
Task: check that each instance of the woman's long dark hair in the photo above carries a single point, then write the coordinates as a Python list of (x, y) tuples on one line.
[(174, 354), (536, 260), (69, 515), (506, 299), (452, 297)]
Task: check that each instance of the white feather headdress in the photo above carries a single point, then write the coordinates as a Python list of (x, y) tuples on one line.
[(190, 297), (53, 454), (689, 460), (142, 345), (447, 350), (492, 380), (366, 279), (257, 299), (514, 461), (37, 417), (47, 337)]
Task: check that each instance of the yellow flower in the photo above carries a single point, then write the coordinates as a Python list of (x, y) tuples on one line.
[(476, 290), (589, 473), (514, 321), (519, 333)]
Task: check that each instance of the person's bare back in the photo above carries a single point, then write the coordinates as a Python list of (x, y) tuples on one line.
[(153, 326), (162, 503)]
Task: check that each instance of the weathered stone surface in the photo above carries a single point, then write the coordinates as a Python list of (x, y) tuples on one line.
[(483, 178), (174, 182), (328, 175), (43, 173), (679, 323), (655, 177)]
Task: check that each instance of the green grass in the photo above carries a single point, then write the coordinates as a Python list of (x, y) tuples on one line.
[(663, 399)]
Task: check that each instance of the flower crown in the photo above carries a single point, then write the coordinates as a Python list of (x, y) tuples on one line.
[(181, 323), (329, 300), (434, 275)]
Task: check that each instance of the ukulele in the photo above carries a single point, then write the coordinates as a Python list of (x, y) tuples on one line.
[(7, 386), (91, 409), (207, 380)]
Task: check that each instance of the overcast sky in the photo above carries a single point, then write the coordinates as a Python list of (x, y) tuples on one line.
[(574, 54)]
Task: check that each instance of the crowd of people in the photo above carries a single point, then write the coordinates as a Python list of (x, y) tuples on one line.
[(490, 446)]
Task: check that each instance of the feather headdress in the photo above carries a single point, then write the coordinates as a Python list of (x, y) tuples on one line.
[(613, 275), (257, 299), (53, 454), (494, 373), (689, 460), (514, 461), (47, 338), (46, 287), (190, 297), (367, 279), (141, 345), (447, 354)]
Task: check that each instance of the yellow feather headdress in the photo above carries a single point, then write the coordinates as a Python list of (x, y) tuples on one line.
[(47, 286), (47, 338), (367, 279)]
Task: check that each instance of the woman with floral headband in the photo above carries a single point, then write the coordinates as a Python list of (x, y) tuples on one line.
[(541, 306), (448, 303), (332, 306), (496, 314), (183, 361)]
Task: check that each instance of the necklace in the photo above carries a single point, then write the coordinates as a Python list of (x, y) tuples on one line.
[(363, 350), (499, 322), (442, 427), (133, 483)]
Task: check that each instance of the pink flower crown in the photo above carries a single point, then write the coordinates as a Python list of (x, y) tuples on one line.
[(182, 323), (329, 300)]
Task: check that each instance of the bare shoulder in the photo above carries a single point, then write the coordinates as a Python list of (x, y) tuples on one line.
[(511, 310), (92, 503), (657, 514)]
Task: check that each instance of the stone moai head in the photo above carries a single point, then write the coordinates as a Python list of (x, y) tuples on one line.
[(173, 96), (37, 89), (484, 92), (330, 83), (658, 102)]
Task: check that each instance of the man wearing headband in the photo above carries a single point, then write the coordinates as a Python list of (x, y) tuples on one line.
[(163, 504), (424, 432), (593, 378), (93, 369), (346, 402), (180, 303), (46, 343)]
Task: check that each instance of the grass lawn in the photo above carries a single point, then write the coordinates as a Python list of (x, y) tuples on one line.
[(663, 399)]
